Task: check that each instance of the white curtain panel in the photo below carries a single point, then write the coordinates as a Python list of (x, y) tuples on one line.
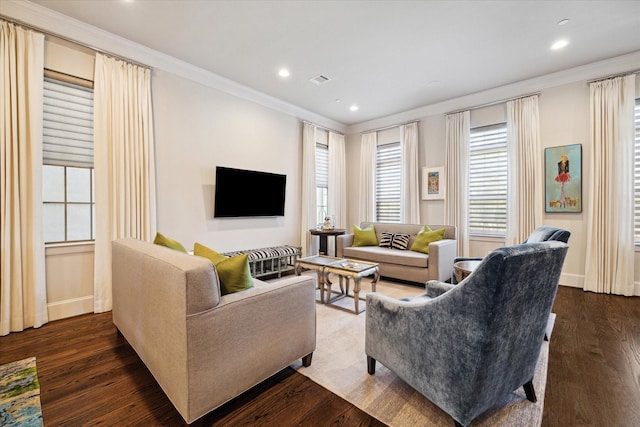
[(23, 292), (410, 196), (525, 197), (609, 266), (366, 196), (337, 180), (458, 131), (308, 217), (124, 164)]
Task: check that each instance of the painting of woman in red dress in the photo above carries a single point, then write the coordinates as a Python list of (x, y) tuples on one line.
[(563, 177)]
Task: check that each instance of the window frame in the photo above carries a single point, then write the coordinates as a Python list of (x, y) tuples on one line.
[(62, 132)]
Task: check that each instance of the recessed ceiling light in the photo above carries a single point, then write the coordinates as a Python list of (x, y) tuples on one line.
[(283, 72), (563, 21), (354, 108), (559, 44)]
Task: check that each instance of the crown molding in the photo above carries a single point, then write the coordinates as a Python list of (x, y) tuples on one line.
[(57, 24), (616, 65)]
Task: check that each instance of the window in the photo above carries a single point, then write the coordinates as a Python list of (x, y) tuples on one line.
[(636, 183), (322, 181), (67, 190), (488, 180), (388, 182)]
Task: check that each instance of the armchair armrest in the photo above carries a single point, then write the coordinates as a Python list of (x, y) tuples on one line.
[(436, 288), (342, 242), (441, 256)]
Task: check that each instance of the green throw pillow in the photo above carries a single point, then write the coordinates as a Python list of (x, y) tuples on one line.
[(424, 229), (364, 236), (233, 272), (203, 251), (424, 238), (169, 243)]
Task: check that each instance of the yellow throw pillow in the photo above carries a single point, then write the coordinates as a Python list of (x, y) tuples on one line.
[(203, 251), (424, 238), (233, 272), (424, 229), (364, 236), (169, 243)]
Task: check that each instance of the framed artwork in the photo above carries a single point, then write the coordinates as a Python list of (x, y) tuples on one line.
[(433, 183), (563, 178)]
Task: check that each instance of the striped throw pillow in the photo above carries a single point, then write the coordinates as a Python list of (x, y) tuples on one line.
[(394, 240), (400, 241)]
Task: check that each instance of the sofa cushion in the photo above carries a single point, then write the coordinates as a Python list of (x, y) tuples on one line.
[(387, 255), (394, 240), (233, 272), (163, 240), (423, 239), (364, 236)]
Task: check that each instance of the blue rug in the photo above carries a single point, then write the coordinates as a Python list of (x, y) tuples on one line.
[(20, 394)]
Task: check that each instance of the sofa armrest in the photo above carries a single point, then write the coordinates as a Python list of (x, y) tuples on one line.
[(342, 242), (248, 337), (435, 288), (441, 256)]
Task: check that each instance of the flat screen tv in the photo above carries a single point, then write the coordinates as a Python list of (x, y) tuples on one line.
[(247, 193)]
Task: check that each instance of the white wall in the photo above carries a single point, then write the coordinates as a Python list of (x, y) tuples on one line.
[(198, 128), (564, 120)]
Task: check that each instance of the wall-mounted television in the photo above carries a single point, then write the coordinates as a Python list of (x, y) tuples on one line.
[(248, 193)]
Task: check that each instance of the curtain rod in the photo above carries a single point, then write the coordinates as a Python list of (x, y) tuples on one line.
[(612, 76), (391, 126), (322, 127), (489, 104), (95, 49)]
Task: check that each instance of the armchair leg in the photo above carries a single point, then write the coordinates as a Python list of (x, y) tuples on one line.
[(371, 365), (306, 360), (530, 392)]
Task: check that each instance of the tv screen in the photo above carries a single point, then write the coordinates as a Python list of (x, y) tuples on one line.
[(246, 193)]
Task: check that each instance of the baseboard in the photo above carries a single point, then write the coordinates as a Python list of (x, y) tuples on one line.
[(577, 281), (572, 280), (69, 308)]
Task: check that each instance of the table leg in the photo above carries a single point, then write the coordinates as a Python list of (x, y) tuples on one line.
[(323, 244), (356, 293), (321, 284)]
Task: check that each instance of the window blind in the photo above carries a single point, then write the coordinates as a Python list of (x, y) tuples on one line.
[(388, 182), (67, 124), (322, 166), (488, 169)]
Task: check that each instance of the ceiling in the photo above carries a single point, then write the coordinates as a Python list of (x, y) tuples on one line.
[(384, 56)]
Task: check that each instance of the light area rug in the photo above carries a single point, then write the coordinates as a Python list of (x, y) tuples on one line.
[(20, 394), (340, 365)]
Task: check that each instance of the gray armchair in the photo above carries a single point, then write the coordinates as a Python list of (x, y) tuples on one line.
[(477, 342), (544, 233)]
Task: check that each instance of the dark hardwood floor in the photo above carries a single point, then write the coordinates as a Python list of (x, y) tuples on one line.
[(90, 376)]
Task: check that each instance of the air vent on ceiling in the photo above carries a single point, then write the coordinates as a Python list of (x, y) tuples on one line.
[(319, 79)]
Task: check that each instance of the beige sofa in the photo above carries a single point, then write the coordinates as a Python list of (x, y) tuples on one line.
[(203, 348), (405, 264)]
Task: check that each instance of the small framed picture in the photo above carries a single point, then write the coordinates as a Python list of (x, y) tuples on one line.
[(433, 183)]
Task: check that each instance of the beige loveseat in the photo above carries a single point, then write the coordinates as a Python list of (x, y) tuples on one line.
[(405, 264), (203, 348)]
